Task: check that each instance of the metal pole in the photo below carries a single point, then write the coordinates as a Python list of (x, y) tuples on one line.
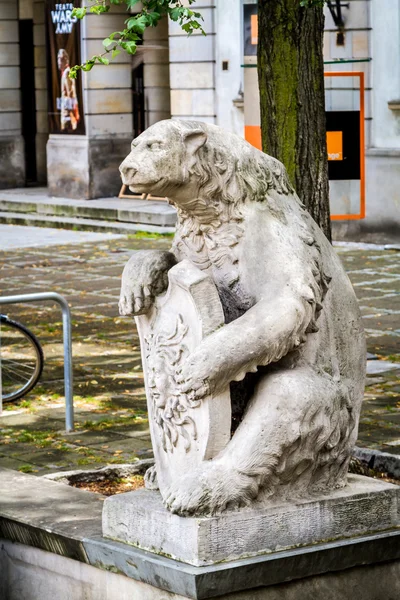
[(67, 340)]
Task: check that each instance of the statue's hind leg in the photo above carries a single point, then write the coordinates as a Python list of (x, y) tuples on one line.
[(297, 430)]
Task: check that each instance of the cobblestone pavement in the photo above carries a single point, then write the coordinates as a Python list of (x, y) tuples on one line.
[(111, 420)]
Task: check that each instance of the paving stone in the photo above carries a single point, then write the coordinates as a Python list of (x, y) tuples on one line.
[(128, 445), (35, 421), (136, 430), (89, 438), (14, 463)]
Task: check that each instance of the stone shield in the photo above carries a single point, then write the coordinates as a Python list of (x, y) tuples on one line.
[(184, 431)]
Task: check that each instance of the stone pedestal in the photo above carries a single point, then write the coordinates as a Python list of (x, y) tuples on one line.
[(139, 518), (81, 167), (12, 161)]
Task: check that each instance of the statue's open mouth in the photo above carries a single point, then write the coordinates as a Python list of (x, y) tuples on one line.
[(144, 187)]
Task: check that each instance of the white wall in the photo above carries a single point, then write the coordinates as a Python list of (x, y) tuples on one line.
[(386, 72), (228, 47)]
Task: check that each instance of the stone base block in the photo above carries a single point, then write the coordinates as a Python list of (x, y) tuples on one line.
[(12, 162), (139, 518), (83, 168)]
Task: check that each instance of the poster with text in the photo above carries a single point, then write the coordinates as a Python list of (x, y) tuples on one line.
[(63, 51)]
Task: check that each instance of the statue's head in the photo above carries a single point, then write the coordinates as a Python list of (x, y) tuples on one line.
[(162, 158), (189, 160)]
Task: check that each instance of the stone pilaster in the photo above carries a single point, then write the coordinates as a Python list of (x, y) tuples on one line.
[(42, 128), (12, 160), (192, 69), (156, 74)]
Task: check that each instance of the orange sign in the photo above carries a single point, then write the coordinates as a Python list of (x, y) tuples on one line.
[(254, 30), (334, 142)]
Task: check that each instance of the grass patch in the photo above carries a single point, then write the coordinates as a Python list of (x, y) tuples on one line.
[(27, 469), (141, 235), (106, 423), (39, 438)]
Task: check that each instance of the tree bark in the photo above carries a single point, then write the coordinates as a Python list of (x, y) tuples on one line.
[(292, 98)]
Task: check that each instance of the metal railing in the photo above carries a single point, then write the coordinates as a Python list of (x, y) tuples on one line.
[(67, 341)]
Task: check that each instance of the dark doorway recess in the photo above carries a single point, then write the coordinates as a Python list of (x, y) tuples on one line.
[(28, 100), (138, 100)]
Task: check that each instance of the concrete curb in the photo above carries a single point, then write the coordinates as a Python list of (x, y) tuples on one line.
[(379, 461), (109, 471), (80, 224), (366, 246)]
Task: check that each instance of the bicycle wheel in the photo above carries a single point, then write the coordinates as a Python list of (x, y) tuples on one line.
[(21, 358)]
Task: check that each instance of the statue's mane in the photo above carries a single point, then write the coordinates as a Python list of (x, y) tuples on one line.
[(233, 171)]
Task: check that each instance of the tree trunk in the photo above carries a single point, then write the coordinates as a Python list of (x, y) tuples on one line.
[(292, 99)]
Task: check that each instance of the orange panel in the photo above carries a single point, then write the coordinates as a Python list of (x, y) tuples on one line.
[(254, 30), (334, 142), (252, 134)]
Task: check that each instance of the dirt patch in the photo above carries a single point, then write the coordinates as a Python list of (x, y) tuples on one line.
[(111, 487), (359, 468)]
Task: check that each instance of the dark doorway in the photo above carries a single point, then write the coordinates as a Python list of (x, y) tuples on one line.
[(28, 100), (138, 100)]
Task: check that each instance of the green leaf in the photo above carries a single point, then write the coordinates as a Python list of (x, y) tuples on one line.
[(131, 3), (153, 18), (137, 24), (88, 66), (79, 13), (129, 35), (103, 61), (175, 14), (115, 53), (99, 9), (107, 42), (129, 47), (73, 72)]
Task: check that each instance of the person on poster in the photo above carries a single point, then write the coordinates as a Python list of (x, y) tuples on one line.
[(68, 103)]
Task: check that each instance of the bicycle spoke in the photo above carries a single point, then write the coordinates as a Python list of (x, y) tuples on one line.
[(15, 362), (14, 371)]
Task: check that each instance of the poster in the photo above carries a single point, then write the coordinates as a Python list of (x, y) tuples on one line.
[(65, 106)]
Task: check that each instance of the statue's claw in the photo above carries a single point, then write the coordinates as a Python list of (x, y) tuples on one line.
[(150, 478), (210, 490)]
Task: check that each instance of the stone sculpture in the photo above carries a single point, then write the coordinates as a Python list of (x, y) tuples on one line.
[(291, 351)]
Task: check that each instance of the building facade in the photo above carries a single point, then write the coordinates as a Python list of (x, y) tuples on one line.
[(212, 78)]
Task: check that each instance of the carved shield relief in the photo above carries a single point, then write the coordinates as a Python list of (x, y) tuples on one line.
[(184, 431)]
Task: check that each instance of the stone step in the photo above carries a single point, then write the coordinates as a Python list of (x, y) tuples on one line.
[(79, 224), (37, 201)]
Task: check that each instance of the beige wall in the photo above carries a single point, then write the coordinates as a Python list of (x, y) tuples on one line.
[(107, 95), (10, 105), (192, 69)]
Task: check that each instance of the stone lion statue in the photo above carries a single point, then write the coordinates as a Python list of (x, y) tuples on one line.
[(292, 349)]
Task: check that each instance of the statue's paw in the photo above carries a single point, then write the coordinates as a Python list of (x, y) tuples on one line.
[(150, 479), (145, 276), (209, 490)]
